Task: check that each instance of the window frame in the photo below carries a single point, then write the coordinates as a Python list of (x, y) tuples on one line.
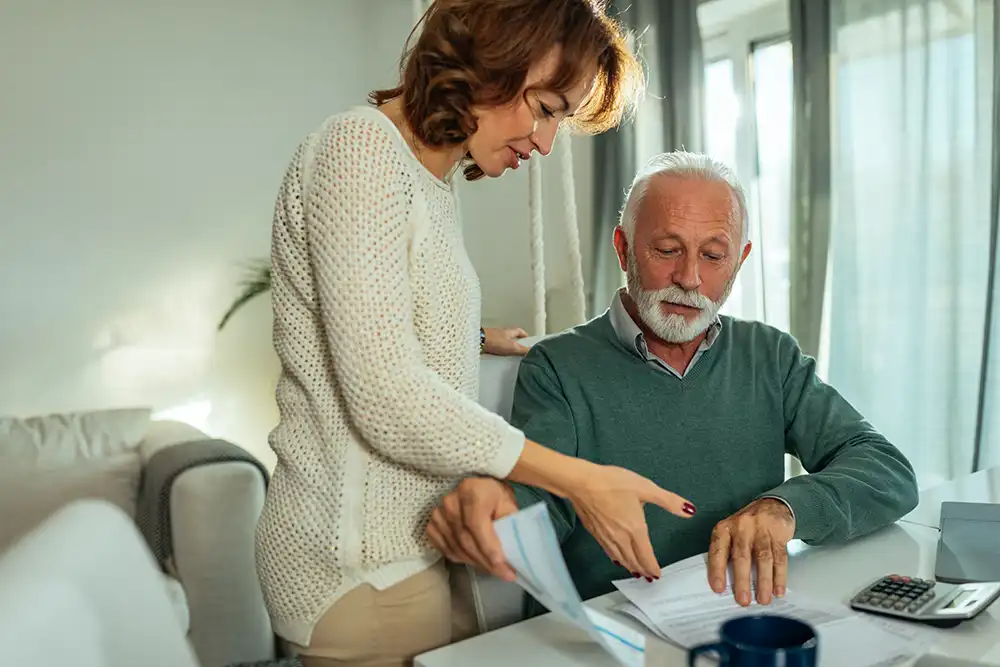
[(732, 30)]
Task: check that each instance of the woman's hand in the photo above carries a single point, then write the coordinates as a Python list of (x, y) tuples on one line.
[(503, 342), (609, 503)]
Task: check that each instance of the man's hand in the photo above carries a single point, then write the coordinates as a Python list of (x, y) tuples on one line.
[(755, 537), (461, 527)]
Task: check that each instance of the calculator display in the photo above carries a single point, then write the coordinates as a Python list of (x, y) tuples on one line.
[(964, 598)]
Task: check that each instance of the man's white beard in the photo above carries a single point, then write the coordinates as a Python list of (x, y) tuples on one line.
[(671, 327)]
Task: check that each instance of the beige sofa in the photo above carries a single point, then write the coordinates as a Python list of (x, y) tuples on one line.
[(81, 589), (195, 499)]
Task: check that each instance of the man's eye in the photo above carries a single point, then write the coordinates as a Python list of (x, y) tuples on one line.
[(714, 258), (666, 251)]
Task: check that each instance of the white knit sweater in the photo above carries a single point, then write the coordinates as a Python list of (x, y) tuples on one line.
[(376, 324)]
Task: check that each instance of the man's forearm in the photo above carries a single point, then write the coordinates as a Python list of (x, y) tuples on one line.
[(867, 484)]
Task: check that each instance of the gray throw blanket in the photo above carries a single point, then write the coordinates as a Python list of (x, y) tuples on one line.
[(153, 511)]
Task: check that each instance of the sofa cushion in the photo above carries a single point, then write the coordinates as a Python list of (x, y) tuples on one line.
[(178, 600), (28, 497), (62, 439)]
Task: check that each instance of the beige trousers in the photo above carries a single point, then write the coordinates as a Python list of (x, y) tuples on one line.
[(372, 628)]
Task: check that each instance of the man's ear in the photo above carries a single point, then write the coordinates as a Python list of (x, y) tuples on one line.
[(621, 247), (746, 252)]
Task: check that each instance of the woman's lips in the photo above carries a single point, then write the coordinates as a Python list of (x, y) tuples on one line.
[(513, 160)]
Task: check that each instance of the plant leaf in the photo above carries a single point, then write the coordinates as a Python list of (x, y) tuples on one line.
[(257, 282)]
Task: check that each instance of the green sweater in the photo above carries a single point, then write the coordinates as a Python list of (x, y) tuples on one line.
[(716, 437)]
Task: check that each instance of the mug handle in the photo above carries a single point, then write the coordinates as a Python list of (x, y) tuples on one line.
[(718, 647)]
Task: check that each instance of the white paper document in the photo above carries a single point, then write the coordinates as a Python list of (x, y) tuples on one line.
[(530, 546), (682, 609)]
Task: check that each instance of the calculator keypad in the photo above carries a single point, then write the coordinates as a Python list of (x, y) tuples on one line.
[(906, 595)]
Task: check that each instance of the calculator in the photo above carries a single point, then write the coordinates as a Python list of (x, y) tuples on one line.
[(925, 601)]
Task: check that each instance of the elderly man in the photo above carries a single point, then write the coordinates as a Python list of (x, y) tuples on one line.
[(704, 405)]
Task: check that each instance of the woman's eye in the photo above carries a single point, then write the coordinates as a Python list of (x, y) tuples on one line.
[(547, 112)]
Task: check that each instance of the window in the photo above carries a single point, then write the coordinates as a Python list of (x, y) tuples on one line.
[(909, 267), (772, 94), (748, 95)]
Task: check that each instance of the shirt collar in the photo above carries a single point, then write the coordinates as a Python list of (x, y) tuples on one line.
[(631, 335)]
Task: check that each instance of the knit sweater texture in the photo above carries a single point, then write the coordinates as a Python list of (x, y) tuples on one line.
[(376, 323), (717, 437)]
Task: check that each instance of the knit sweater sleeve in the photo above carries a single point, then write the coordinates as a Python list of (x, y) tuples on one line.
[(858, 482), (359, 199)]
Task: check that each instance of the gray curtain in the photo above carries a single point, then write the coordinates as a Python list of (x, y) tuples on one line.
[(681, 68), (911, 140), (670, 43), (986, 443), (809, 236)]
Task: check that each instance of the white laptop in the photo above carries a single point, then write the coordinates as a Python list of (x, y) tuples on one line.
[(944, 661)]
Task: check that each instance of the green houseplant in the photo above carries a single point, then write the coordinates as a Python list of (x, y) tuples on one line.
[(256, 282)]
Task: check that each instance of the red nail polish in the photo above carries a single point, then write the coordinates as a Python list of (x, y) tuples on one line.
[(688, 508), (649, 579), (616, 563), (637, 576)]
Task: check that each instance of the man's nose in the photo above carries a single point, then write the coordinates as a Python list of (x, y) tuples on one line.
[(686, 274)]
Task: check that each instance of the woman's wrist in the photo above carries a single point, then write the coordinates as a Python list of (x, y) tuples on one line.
[(547, 469)]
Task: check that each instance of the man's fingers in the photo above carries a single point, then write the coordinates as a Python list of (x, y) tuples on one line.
[(442, 544), (470, 549), (763, 557), (478, 522), (518, 332), (742, 559), (484, 538), (502, 569), (780, 569), (448, 521), (718, 556)]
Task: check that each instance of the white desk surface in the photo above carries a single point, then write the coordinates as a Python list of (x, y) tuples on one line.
[(833, 573), (981, 487)]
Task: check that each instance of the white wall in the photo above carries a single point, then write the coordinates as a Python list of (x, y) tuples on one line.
[(141, 147), (496, 219)]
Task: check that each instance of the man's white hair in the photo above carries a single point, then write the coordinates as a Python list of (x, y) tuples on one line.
[(682, 164)]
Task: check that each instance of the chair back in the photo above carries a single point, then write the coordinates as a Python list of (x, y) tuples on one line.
[(498, 603)]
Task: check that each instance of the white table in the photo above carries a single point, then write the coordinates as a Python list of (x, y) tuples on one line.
[(830, 573)]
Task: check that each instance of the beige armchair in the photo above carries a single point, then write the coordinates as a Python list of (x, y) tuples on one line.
[(195, 499)]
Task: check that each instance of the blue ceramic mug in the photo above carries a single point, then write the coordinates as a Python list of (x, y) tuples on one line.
[(762, 641)]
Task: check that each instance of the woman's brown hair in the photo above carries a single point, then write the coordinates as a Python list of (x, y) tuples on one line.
[(476, 53)]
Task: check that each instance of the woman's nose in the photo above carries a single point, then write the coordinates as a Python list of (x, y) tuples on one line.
[(543, 136)]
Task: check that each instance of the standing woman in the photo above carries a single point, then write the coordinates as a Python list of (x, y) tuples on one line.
[(377, 308)]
